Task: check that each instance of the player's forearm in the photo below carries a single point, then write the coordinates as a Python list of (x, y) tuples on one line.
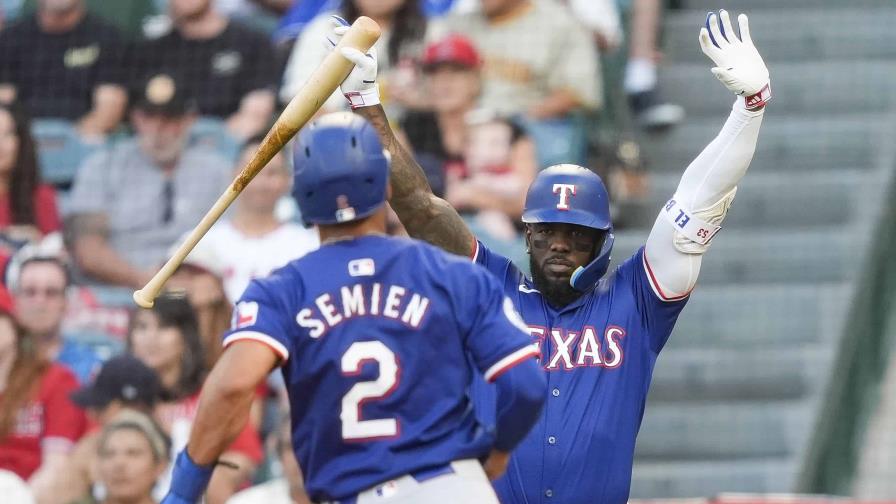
[(724, 162), (424, 215), (406, 176), (223, 413), (709, 179), (521, 394)]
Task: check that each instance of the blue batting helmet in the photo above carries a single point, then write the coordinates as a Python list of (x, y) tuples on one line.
[(340, 170), (572, 194)]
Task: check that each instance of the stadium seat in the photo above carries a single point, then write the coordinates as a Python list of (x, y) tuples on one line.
[(212, 132), (60, 150), (738, 388)]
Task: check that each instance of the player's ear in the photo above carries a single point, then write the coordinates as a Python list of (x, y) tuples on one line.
[(528, 235)]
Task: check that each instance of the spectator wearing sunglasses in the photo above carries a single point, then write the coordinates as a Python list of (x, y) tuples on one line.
[(133, 200)]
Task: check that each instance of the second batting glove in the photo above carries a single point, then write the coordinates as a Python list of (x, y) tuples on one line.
[(738, 64), (360, 87)]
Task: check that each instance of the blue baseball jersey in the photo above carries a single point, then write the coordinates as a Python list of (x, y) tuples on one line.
[(380, 340), (598, 353)]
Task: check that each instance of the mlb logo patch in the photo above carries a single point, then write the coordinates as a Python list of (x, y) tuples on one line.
[(245, 314), (361, 267)]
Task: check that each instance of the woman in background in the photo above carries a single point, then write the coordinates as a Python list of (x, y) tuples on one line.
[(38, 423), (166, 338), (27, 207), (132, 454), (400, 45)]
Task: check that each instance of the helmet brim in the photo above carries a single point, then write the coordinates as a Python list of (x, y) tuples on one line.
[(572, 216)]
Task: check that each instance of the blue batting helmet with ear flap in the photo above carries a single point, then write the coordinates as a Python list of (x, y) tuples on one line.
[(573, 194), (340, 170)]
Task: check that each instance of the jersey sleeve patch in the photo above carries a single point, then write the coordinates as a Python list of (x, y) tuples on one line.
[(274, 345), (245, 314)]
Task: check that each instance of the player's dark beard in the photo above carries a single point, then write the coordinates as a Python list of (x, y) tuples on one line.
[(558, 293)]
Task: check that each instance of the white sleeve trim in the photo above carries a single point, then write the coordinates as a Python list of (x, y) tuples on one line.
[(509, 361), (655, 285), (475, 250), (261, 338)]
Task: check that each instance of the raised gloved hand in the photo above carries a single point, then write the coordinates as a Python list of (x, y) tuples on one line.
[(360, 87), (738, 64)]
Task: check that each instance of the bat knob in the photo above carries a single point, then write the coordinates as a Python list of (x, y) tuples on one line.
[(142, 300)]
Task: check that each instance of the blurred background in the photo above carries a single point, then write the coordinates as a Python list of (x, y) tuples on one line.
[(122, 121)]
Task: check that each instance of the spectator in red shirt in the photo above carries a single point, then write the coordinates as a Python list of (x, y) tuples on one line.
[(27, 207), (38, 423), (166, 338)]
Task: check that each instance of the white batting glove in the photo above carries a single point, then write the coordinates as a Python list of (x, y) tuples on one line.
[(360, 87), (738, 64)]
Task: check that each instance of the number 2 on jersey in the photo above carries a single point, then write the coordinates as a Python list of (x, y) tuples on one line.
[(353, 428)]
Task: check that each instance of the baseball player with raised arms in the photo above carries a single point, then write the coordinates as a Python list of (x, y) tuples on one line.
[(376, 361), (599, 334)]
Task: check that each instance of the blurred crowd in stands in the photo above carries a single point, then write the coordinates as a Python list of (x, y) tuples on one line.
[(122, 122)]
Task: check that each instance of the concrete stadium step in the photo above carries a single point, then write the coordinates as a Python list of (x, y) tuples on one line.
[(690, 431), (794, 34), (804, 88), (762, 373), (770, 256), (754, 5), (760, 316), (708, 478), (778, 200), (786, 143)]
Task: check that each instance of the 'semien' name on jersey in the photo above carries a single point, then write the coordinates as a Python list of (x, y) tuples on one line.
[(380, 339)]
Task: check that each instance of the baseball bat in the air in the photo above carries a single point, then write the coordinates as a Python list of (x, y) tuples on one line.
[(325, 79)]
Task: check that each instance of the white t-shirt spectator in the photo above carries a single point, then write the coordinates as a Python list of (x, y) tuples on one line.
[(242, 258)]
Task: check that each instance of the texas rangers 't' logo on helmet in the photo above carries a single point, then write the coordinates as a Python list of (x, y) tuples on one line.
[(565, 191)]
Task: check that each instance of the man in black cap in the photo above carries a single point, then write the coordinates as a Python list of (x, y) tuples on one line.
[(134, 199), (124, 383)]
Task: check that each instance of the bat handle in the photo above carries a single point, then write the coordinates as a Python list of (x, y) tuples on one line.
[(146, 296)]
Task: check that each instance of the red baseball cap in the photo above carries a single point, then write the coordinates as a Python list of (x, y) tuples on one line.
[(7, 305), (452, 50)]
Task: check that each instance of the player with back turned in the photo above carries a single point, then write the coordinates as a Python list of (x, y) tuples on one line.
[(376, 358), (599, 333)]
